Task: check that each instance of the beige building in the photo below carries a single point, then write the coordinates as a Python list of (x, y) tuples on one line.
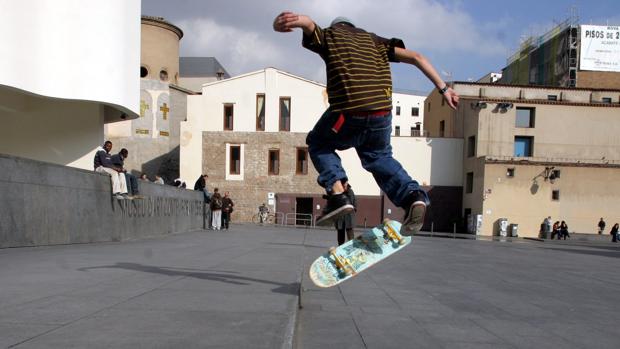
[(531, 152), (166, 80)]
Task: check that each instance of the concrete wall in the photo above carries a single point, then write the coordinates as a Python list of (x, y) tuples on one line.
[(46, 204)]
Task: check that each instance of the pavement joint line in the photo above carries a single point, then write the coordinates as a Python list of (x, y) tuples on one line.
[(85, 316)]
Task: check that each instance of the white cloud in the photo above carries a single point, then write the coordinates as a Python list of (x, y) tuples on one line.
[(250, 44)]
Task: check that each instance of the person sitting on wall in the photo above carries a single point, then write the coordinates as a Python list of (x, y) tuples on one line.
[(130, 180), (179, 183), (103, 164), (159, 180), (201, 185), (144, 177)]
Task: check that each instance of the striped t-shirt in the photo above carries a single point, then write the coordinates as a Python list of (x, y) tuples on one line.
[(357, 65)]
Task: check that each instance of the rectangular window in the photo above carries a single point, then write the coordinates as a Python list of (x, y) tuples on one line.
[(525, 117), (397, 131), (555, 195), (274, 161), (510, 172), (552, 97), (285, 113), (524, 146), (442, 128), (415, 111), (471, 146), (429, 106), (606, 100), (397, 110), (228, 117), (469, 185), (235, 160), (302, 161), (260, 112)]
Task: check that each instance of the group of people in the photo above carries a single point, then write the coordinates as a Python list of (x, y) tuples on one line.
[(124, 184), (560, 229), (615, 235), (220, 207)]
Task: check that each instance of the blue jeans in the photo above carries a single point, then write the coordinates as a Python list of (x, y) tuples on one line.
[(370, 136)]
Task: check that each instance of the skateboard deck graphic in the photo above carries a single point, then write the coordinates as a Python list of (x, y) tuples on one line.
[(359, 254)]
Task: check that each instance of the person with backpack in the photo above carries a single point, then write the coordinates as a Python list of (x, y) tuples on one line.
[(216, 210)]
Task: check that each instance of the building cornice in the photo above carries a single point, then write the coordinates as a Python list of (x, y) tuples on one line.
[(162, 23)]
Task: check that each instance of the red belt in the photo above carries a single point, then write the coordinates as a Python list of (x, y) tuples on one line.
[(367, 113)]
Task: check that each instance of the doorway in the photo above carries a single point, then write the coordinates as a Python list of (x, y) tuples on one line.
[(303, 211)]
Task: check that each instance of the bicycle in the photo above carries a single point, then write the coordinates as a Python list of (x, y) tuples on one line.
[(268, 218)]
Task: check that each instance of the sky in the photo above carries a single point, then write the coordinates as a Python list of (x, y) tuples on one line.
[(463, 39)]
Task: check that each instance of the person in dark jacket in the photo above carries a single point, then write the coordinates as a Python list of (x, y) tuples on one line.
[(346, 223), (216, 210), (564, 230), (103, 164), (614, 233), (227, 209), (130, 180), (201, 184)]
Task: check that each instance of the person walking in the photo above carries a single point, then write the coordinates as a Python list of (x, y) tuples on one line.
[(359, 90), (227, 209), (614, 233), (216, 210), (601, 226), (346, 224)]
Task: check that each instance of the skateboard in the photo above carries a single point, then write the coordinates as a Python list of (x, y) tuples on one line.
[(353, 257)]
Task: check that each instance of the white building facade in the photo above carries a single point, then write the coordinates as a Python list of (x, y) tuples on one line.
[(248, 134), (67, 67)]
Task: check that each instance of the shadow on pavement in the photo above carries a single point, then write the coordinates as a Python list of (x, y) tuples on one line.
[(609, 253), (226, 277)]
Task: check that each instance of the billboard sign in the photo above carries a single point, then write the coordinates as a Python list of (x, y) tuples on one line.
[(600, 48)]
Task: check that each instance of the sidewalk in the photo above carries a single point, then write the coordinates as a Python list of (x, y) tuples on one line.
[(231, 289), (456, 293), (240, 289)]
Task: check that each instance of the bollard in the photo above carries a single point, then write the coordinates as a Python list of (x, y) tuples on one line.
[(432, 227), (454, 230)]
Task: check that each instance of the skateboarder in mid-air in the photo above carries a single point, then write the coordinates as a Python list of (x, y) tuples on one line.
[(359, 87)]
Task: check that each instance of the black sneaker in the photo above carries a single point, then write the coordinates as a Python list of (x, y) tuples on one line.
[(337, 205), (414, 215)]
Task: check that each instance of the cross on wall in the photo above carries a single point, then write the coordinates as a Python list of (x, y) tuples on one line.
[(143, 107), (164, 109)]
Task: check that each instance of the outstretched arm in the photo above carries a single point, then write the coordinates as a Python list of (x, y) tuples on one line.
[(286, 21), (415, 58)]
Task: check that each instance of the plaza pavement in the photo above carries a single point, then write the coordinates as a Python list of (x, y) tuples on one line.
[(241, 289)]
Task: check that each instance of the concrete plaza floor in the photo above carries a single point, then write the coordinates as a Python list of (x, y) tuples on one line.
[(242, 289)]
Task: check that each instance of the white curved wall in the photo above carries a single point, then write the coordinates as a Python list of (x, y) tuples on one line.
[(73, 49)]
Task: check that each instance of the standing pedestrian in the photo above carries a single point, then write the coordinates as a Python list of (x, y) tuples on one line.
[(548, 228), (227, 209), (216, 209), (614, 233), (359, 89), (601, 226)]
